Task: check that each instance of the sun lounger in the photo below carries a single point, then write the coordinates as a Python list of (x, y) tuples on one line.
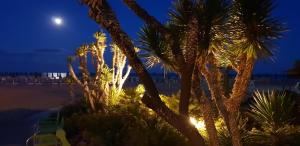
[(49, 132)]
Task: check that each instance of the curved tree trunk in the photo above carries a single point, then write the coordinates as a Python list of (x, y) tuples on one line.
[(234, 129), (180, 122), (206, 108), (239, 91), (210, 124), (215, 88)]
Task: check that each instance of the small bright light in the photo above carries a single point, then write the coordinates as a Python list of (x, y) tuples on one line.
[(198, 124), (57, 20)]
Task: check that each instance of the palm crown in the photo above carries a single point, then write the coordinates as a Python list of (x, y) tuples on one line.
[(226, 29)]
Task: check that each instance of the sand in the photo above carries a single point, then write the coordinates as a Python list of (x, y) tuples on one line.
[(32, 97)]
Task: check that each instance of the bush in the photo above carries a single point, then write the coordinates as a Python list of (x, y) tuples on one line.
[(121, 129), (128, 123), (274, 111)]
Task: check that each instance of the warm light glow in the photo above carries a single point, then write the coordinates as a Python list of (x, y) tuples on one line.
[(57, 20), (198, 124)]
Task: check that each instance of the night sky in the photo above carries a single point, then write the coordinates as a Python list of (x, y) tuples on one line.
[(31, 42)]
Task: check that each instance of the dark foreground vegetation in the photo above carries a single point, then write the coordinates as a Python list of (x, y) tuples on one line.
[(127, 124), (270, 119)]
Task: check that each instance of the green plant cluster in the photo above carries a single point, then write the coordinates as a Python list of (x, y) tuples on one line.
[(128, 123), (274, 113), (269, 121)]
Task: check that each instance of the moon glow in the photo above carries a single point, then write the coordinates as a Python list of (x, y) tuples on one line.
[(57, 21)]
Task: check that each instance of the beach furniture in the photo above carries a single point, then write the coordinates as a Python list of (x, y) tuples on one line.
[(43, 140), (49, 132)]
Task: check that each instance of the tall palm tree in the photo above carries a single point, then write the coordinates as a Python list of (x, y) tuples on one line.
[(254, 30), (193, 37), (199, 43), (102, 13), (250, 32)]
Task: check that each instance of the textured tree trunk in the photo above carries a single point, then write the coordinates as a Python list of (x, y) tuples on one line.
[(191, 43), (180, 122), (239, 91), (214, 88), (206, 108), (185, 93), (210, 124), (234, 129)]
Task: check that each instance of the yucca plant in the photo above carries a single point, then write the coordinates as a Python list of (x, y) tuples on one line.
[(272, 108), (274, 112)]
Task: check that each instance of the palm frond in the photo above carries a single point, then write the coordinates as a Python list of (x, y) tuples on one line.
[(155, 50), (255, 27), (272, 109), (180, 13)]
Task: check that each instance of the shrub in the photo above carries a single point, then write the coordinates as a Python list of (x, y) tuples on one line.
[(128, 123), (121, 129), (274, 113)]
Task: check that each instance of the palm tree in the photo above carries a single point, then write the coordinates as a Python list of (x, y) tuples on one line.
[(250, 32), (199, 42), (253, 33), (102, 13), (194, 26)]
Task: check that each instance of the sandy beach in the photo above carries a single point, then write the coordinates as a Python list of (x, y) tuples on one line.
[(32, 97), (22, 106)]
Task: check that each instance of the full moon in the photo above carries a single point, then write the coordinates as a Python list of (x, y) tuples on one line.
[(57, 21)]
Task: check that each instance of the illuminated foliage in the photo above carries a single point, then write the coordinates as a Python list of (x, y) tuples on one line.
[(274, 112), (103, 88)]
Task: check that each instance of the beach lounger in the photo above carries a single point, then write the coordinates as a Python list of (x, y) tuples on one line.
[(49, 132), (43, 140)]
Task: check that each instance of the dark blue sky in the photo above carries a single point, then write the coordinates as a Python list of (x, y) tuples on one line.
[(29, 41)]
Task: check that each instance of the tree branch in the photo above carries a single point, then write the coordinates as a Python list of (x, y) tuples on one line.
[(143, 14), (73, 75), (150, 20)]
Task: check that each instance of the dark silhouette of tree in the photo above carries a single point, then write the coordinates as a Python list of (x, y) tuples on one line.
[(294, 72)]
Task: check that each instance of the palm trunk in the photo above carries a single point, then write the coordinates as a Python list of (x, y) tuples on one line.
[(206, 108), (185, 92), (191, 43), (180, 122), (213, 86), (210, 124), (238, 94), (229, 117), (234, 129), (208, 115)]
